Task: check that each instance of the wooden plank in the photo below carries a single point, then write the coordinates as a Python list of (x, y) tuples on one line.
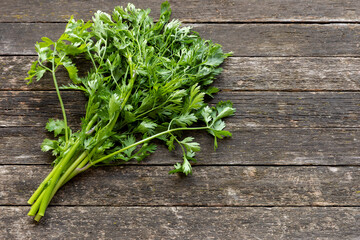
[(293, 109), (254, 109), (251, 146), (29, 109), (208, 186), (240, 73), (193, 11), (182, 223), (243, 39), (290, 73)]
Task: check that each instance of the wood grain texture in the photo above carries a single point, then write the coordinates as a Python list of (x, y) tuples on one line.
[(209, 186), (254, 109), (240, 73), (293, 109), (183, 223), (14, 70), (295, 81), (243, 39), (192, 11), (290, 74), (29, 109), (263, 146)]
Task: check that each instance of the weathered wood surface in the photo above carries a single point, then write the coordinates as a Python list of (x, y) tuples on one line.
[(183, 223), (35, 108), (240, 73), (248, 146), (254, 109), (209, 186), (192, 11), (290, 73), (242, 39), (293, 109), (295, 82)]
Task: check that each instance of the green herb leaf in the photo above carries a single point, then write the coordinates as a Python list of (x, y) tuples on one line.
[(48, 145), (190, 145), (186, 119), (224, 109), (57, 126), (185, 167)]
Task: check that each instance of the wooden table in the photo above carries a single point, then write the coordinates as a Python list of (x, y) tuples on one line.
[(291, 170)]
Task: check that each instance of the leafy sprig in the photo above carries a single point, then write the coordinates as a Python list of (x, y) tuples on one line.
[(147, 81)]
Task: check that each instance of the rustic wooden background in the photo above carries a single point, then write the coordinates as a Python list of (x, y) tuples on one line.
[(291, 170)]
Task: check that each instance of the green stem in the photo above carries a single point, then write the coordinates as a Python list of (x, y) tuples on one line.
[(92, 59), (42, 65), (36, 205), (91, 123), (67, 173), (80, 165), (59, 96), (77, 170), (42, 185), (37, 217), (46, 200), (182, 148), (88, 107)]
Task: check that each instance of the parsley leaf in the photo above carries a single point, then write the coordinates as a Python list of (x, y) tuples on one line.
[(57, 126)]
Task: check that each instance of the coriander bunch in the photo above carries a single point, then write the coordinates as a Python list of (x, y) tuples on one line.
[(147, 81)]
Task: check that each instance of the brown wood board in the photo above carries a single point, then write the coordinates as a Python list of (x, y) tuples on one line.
[(183, 223), (258, 40), (209, 186), (192, 11)]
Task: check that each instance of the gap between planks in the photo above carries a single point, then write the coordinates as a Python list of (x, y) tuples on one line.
[(295, 22), (189, 206), (129, 164)]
